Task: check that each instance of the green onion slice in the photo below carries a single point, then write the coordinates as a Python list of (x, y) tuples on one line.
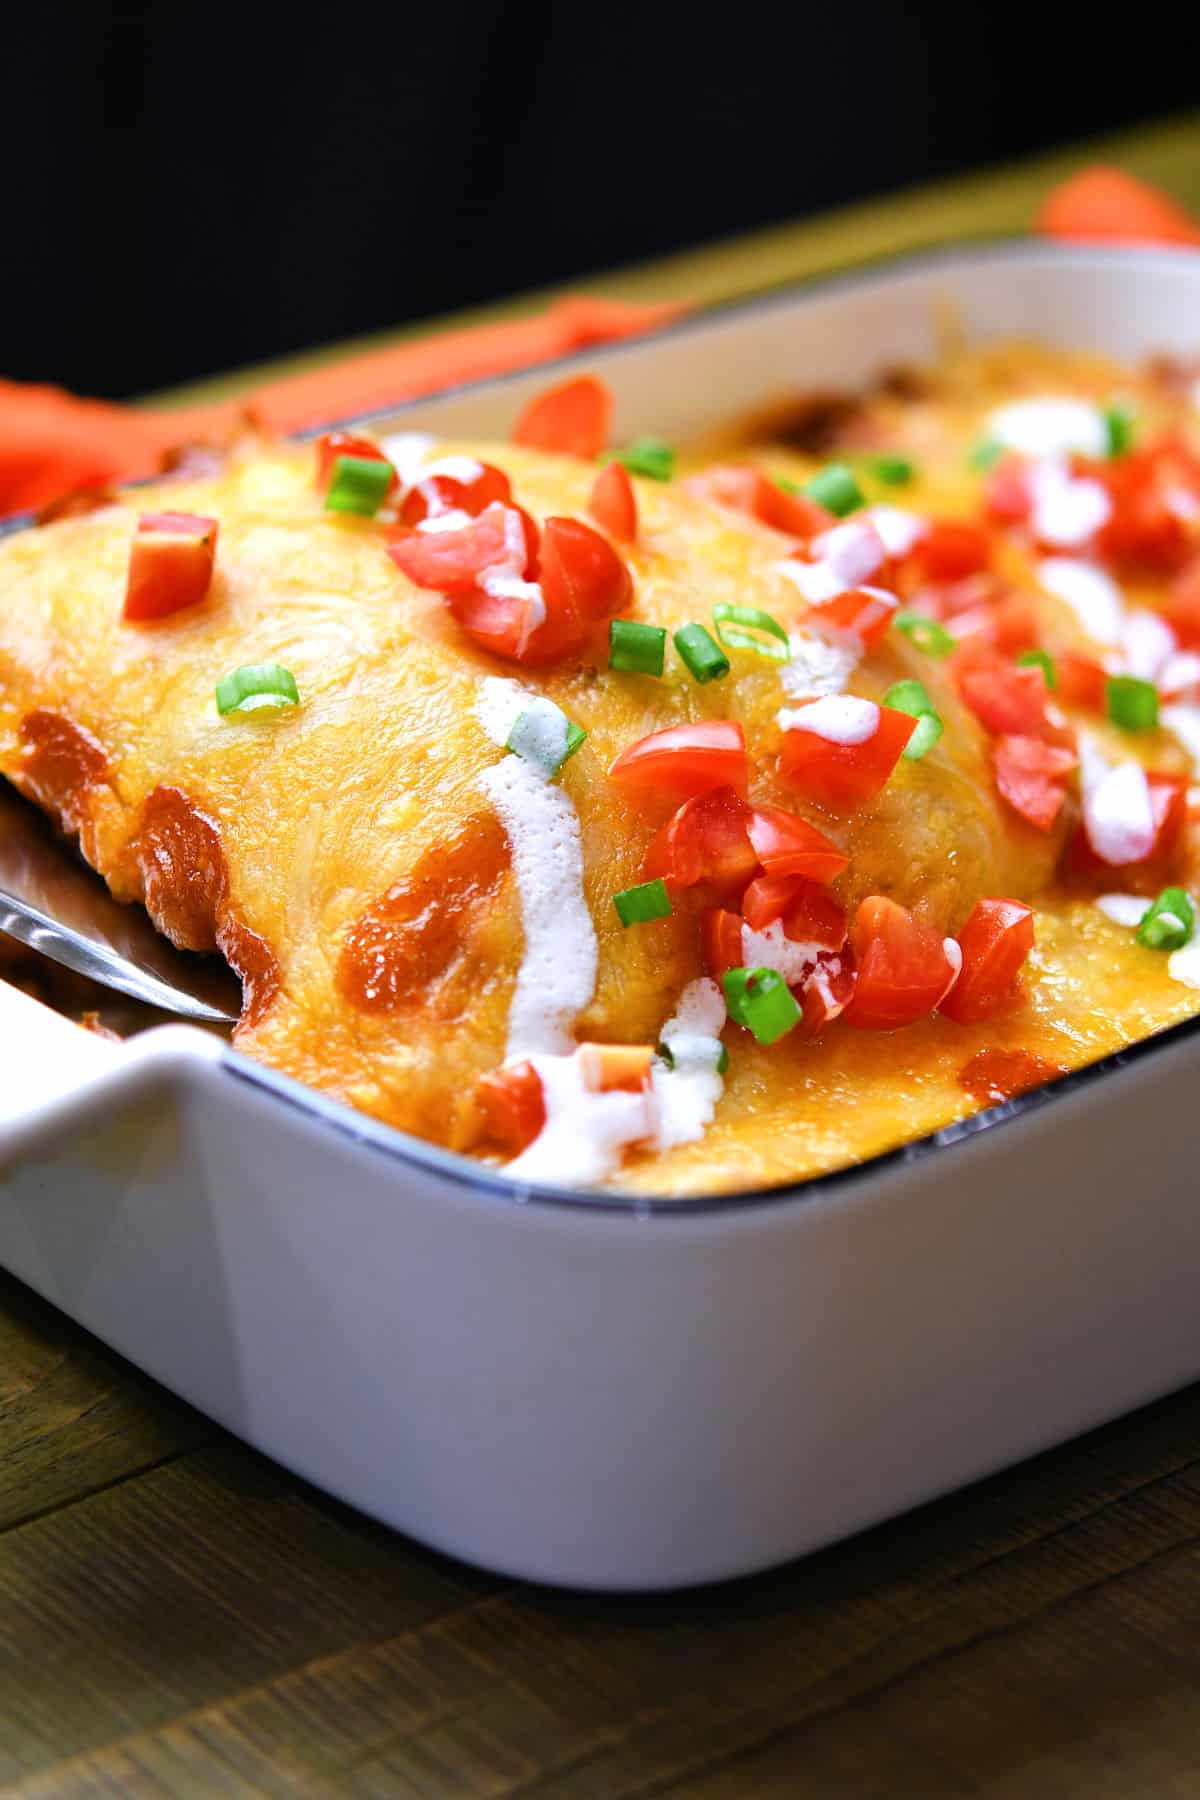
[(648, 456), (910, 697), (1040, 659), (543, 735), (1132, 703), (257, 687), (925, 633), (359, 484), (836, 488), (985, 454), (761, 1000), (1170, 922), (694, 1052), (893, 471), (730, 620), (641, 649), (639, 905), (1118, 429), (703, 656)]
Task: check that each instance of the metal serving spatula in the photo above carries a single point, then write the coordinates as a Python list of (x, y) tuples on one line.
[(53, 902)]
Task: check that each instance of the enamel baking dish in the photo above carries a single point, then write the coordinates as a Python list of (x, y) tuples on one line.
[(596, 1389)]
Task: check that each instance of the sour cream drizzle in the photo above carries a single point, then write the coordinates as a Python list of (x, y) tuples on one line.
[(1049, 426), (838, 718), (1091, 593), (1117, 811)]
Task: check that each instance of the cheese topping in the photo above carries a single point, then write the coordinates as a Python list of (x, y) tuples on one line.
[(838, 718)]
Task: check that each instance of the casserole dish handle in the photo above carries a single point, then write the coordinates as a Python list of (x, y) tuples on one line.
[(55, 1076)]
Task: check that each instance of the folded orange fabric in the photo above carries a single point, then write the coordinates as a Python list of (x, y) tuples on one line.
[(52, 441), (1105, 205)]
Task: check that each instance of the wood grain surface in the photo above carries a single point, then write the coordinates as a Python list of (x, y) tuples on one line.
[(180, 1617)]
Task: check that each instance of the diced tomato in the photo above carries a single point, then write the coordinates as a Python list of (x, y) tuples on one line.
[(501, 538), (574, 418), (767, 898), (1015, 625), (747, 490), (902, 969), (1006, 491), (994, 942), (1181, 608), (785, 844), (1008, 698), (845, 775), (170, 564), (950, 549), (1168, 807), (607, 1067), (1031, 777), (706, 840), (445, 493), (513, 1106), (814, 916), (613, 503), (1146, 528), (721, 935), (827, 993), (584, 585), (344, 443), (862, 614), (1082, 681), (684, 760)]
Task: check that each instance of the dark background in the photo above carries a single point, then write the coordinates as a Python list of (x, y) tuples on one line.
[(194, 188)]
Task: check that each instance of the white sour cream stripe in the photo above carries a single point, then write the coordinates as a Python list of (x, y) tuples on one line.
[(1091, 593), (1118, 815), (1049, 426), (838, 718), (684, 1098), (818, 665)]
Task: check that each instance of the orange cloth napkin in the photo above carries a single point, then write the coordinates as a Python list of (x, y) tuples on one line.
[(1105, 205), (52, 441)]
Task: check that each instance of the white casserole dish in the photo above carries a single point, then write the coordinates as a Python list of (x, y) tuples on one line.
[(596, 1389)]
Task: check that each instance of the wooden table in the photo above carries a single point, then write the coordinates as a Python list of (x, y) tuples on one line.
[(179, 1616)]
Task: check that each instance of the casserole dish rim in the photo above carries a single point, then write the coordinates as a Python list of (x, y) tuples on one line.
[(463, 1170)]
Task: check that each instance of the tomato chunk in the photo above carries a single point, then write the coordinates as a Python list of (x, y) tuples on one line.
[(845, 775), (584, 585), (513, 1106), (574, 418), (1031, 777), (344, 443), (746, 489), (684, 760), (1082, 681), (1168, 808), (902, 967), (721, 936), (1148, 527), (707, 839), (950, 549), (170, 564), (1006, 492), (1008, 698), (501, 538), (613, 503), (788, 845), (439, 493), (862, 614), (827, 993), (1182, 607), (994, 942), (608, 1067)]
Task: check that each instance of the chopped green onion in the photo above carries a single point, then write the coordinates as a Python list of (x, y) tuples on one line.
[(638, 648), (638, 905), (543, 735), (910, 697), (1118, 428), (256, 687), (893, 471), (836, 489), (986, 453), (1040, 659), (729, 619), (696, 1051), (925, 633), (359, 484), (789, 487), (1132, 703), (648, 456), (761, 1000), (704, 658), (1170, 922)]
